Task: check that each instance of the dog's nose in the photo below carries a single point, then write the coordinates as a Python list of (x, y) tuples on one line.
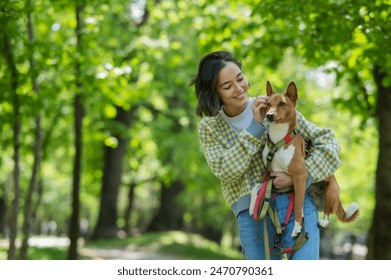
[(270, 117)]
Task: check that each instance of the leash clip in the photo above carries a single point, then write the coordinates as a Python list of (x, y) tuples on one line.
[(283, 227), (277, 241)]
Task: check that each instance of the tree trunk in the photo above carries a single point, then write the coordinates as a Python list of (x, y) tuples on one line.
[(379, 241), (28, 210), (107, 220), (2, 215), (79, 113), (170, 213), (13, 225), (129, 207)]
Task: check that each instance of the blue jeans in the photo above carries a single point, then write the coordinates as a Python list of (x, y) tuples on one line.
[(253, 247)]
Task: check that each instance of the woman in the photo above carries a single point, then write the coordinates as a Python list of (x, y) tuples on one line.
[(232, 136)]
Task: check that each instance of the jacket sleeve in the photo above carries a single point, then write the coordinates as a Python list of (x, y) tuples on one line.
[(228, 156), (324, 160)]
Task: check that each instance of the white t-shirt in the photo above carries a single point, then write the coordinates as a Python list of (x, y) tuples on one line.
[(243, 120)]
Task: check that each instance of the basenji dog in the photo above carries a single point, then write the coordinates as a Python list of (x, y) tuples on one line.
[(290, 158)]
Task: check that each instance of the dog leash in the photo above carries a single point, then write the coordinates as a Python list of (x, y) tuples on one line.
[(262, 207)]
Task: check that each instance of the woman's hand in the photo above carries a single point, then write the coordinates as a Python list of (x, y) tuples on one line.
[(259, 108), (281, 180)]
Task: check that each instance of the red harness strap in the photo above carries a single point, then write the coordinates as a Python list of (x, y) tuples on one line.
[(282, 227), (288, 138), (289, 211), (290, 208), (258, 202)]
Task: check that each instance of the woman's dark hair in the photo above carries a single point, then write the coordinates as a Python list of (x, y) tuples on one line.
[(209, 67)]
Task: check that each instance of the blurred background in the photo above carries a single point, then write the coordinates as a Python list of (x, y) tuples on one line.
[(99, 143)]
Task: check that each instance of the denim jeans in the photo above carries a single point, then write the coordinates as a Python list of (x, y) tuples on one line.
[(252, 245)]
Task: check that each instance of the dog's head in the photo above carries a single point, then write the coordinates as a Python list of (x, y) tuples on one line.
[(281, 107)]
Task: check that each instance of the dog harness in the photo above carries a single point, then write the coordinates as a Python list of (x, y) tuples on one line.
[(274, 147), (262, 207)]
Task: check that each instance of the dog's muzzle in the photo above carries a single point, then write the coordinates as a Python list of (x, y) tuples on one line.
[(270, 117)]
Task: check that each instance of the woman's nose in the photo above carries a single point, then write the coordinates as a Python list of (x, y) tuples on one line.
[(237, 87)]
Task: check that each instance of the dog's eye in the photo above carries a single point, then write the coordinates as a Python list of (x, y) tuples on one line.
[(281, 104)]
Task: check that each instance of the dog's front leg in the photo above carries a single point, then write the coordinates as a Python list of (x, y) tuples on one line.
[(299, 187)]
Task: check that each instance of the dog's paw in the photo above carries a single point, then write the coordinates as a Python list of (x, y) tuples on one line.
[(296, 230), (323, 222)]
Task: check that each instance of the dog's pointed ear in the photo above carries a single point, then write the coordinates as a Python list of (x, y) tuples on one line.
[(269, 89), (291, 92)]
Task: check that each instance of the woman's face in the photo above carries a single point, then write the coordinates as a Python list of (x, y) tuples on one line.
[(232, 88)]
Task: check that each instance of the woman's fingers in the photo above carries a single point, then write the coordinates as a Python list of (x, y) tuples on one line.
[(259, 107), (281, 180)]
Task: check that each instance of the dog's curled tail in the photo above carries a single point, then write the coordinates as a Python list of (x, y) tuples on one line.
[(350, 214)]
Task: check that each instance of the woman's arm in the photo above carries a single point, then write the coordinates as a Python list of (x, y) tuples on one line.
[(324, 159), (229, 155)]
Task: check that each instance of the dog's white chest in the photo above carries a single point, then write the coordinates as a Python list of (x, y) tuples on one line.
[(281, 159)]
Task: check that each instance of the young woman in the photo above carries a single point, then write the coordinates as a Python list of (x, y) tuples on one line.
[(232, 136)]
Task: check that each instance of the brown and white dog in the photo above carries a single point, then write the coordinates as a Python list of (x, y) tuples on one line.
[(290, 158)]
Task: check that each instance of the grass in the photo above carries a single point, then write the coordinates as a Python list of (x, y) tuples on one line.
[(173, 244), (34, 253)]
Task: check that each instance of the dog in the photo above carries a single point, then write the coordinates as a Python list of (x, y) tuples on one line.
[(290, 158)]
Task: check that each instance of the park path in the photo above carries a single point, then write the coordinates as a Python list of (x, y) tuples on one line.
[(96, 253), (123, 254)]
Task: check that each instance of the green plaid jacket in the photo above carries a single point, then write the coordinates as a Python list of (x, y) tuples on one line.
[(236, 159)]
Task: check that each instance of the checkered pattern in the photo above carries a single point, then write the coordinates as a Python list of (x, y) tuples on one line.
[(237, 159)]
